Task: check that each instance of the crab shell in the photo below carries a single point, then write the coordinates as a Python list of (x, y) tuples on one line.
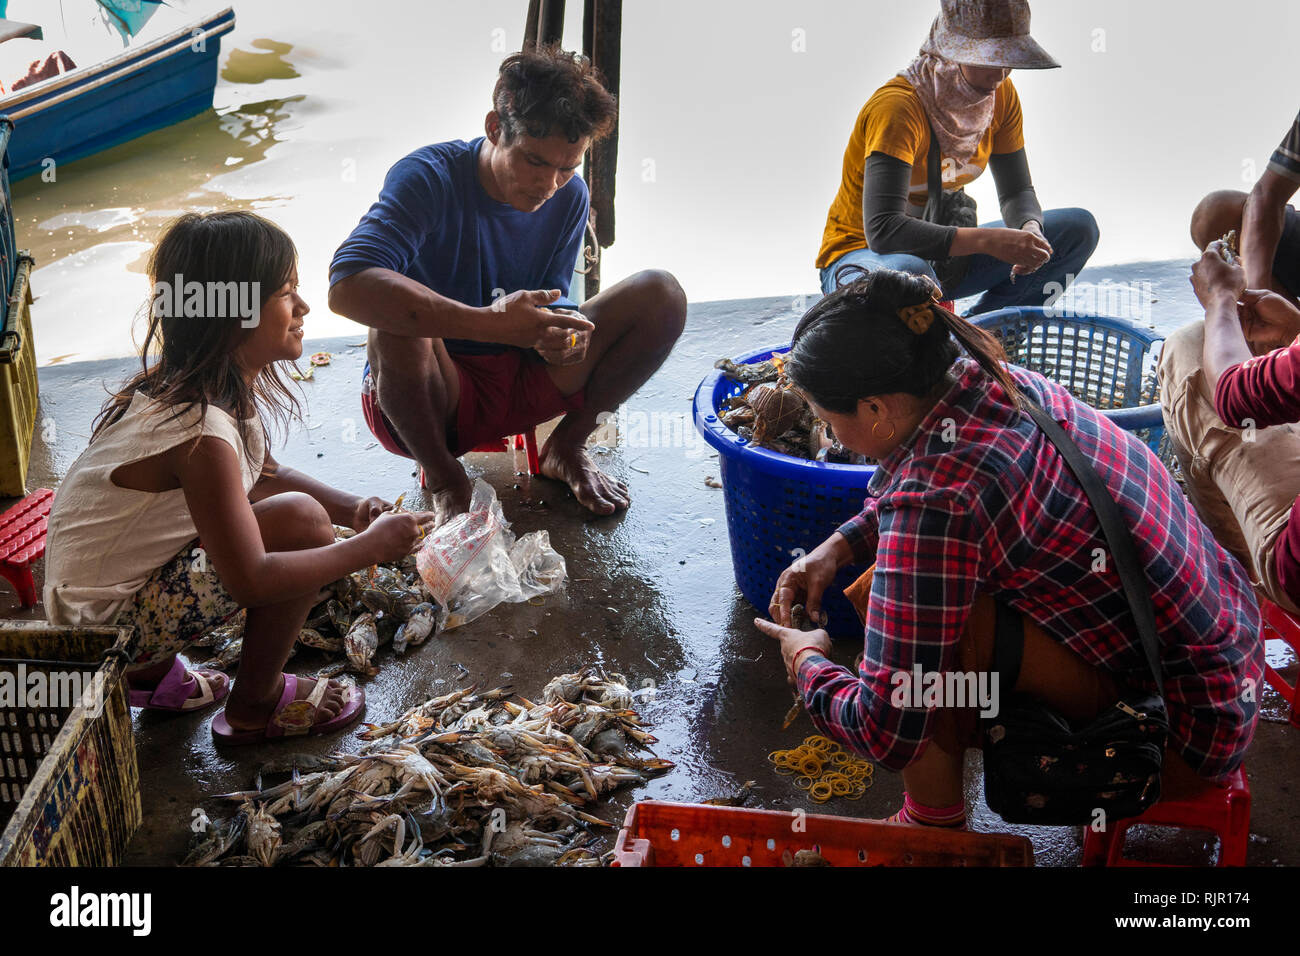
[(777, 409)]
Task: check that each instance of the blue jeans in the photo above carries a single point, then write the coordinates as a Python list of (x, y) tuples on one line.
[(1072, 234)]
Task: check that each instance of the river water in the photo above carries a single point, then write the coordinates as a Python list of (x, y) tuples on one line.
[(734, 120)]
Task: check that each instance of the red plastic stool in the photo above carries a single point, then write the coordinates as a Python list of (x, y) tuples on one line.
[(1279, 625), (1196, 806), (22, 541), (526, 440)]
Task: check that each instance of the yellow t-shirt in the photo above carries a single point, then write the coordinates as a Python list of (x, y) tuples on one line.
[(893, 122)]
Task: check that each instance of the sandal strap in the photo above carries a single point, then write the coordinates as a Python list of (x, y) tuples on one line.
[(318, 692), (171, 692), (294, 718), (205, 692)]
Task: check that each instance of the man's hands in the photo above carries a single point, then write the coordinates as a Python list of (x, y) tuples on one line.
[(1025, 249), (575, 345), (522, 319), (1215, 279), (1268, 319)]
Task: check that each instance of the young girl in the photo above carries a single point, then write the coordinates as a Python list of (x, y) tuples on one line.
[(971, 503), (176, 515)]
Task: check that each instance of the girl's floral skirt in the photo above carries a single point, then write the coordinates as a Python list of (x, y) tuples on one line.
[(180, 601)]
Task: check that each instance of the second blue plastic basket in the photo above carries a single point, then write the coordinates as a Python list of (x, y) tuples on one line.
[(1104, 362)]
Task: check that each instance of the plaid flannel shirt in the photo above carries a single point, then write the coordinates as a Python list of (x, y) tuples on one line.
[(979, 501)]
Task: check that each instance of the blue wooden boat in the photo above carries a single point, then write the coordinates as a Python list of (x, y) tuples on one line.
[(90, 108)]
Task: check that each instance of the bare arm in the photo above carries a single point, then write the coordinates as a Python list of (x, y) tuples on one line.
[(208, 471), (1218, 286), (1225, 344), (390, 302), (1261, 227), (276, 479)]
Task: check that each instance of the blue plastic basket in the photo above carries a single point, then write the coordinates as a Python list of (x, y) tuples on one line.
[(778, 507), (1105, 362)]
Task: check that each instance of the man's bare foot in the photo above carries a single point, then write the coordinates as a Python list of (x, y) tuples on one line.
[(254, 716), (595, 490)]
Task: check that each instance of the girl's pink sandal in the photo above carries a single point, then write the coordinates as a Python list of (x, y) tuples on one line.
[(294, 718), (175, 691)]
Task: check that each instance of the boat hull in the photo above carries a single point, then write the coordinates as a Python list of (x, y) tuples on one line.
[(91, 109)]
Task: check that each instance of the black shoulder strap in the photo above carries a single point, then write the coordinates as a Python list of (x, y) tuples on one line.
[(1115, 531), (1008, 646), (934, 180)]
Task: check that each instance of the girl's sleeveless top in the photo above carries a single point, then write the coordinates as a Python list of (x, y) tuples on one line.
[(105, 541)]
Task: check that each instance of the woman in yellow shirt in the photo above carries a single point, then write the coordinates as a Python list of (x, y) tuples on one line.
[(955, 103)]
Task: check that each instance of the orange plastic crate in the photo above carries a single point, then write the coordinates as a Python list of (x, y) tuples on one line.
[(692, 834)]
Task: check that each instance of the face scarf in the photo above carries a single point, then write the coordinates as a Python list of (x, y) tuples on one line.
[(959, 113)]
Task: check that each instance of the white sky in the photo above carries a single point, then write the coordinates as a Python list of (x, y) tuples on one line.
[(1158, 102)]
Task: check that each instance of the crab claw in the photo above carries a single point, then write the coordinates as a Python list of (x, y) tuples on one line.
[(655, 763)]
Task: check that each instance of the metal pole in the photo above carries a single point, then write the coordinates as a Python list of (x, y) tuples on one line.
[(530, 26), (601, 41), (550, 27)]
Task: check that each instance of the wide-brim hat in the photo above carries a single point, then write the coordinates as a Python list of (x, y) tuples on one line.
[(993, 33)]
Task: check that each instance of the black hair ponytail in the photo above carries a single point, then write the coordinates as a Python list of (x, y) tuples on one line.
[(853, 343)]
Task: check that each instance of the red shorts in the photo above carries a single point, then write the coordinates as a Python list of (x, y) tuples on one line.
[(500, 395)]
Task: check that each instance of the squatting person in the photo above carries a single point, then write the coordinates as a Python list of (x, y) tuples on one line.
[(972, 504), (454, 268), (957, 91), (177, 515), (1268, 226), (1230, 393)]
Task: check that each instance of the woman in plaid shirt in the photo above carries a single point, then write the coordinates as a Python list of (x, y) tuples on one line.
[(972, 503)]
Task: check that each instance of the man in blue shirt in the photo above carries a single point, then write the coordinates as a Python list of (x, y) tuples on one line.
[(461, 270)]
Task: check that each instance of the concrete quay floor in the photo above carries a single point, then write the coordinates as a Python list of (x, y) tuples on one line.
[(651, 594)]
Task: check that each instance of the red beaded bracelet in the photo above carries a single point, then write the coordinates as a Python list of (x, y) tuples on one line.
[(794, 661)]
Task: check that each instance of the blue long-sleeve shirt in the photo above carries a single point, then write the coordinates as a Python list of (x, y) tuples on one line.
[(433, 222)]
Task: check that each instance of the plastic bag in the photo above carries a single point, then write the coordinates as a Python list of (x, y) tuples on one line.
[(473, 562)]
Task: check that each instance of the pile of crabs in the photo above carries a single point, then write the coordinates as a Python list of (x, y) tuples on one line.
[(369, 609), (773, 415), (465, 779)]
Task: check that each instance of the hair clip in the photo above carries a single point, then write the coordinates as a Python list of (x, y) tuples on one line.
[(918, 318)]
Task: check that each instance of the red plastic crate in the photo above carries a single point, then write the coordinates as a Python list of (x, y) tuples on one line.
[(22, 541), (1279, 625), (692, 834)]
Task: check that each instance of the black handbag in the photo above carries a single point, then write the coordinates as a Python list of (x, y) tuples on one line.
[(1038, 767), (947, 207)]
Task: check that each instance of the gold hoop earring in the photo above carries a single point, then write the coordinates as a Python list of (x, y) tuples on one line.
[(892, 429)]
